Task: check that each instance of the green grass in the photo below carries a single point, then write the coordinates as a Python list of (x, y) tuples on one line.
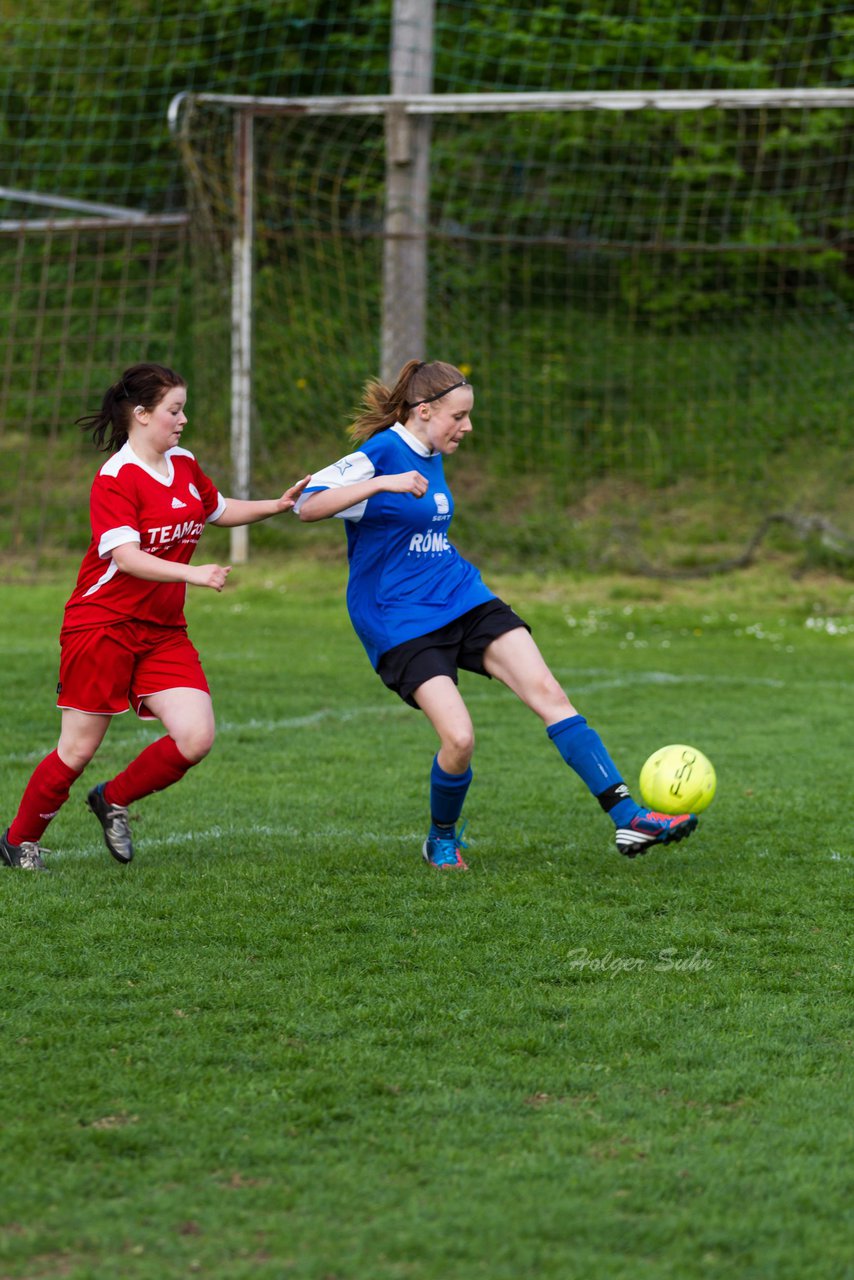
[(278, 1046)]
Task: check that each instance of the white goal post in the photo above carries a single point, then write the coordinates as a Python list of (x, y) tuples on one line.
[(405, 231)]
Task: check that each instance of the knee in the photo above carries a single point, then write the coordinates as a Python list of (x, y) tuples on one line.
[(194, 743), (76, 755), (458, 749)]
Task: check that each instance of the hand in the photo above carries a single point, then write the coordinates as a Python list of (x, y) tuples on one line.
[(289, 497), (209, 575), (407, 482)]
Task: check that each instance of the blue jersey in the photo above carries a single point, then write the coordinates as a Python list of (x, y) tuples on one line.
[(405, 577)]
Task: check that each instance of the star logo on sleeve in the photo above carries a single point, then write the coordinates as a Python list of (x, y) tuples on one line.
[(342, 466)]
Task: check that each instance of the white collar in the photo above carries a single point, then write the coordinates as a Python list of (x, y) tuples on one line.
[(416, 445), (156, 475)]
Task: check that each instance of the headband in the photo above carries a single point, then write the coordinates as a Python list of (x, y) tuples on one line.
[(439, 394)]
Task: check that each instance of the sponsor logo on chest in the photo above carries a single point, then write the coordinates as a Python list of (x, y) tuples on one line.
[(431, 542), (443, 508), (165, 535)]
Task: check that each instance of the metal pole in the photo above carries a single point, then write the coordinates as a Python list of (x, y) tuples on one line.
[(241, 323), (404, 325)]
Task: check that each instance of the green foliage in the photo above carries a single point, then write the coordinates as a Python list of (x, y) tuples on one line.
[(88, 86), (638, 294)]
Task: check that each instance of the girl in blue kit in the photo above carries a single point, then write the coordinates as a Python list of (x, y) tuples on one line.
[(423, 612)]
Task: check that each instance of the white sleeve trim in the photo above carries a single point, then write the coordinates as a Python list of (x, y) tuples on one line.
[(116, 538), (351, 469), (218, 510)]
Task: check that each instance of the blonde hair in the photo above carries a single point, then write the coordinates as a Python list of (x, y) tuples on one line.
[(416, 383)]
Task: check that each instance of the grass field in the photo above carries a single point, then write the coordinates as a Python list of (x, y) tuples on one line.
[(279, 1046)]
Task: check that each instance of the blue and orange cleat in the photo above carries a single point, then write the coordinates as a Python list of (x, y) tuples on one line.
[(444, 852), (648, 828)]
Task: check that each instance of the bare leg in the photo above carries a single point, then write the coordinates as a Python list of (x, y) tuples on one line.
[(515, 660), (187, 716), (442, 703), (450, 776), (80, 737)]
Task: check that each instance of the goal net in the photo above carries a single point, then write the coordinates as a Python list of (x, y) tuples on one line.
[(84, 295), (646, 289)]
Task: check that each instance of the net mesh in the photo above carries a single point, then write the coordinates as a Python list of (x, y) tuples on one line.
[(645, 293), (633, 292), (80, 301)]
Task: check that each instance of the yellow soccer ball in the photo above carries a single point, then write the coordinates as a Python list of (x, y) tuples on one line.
[(678, 779)]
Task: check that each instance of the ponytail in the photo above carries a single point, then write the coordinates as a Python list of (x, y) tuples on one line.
[(141, 384), (417, 383)]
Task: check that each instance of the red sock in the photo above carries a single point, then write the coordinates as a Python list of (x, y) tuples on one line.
[(45, 794), (154, 769)]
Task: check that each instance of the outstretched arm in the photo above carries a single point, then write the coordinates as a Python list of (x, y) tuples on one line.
[(239, 511), (328, 502), (132, 560)]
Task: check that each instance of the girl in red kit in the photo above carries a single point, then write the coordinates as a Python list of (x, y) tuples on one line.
[(124, 636)]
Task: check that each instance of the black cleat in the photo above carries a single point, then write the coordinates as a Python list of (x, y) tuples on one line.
[(27, 855), (114, 819)]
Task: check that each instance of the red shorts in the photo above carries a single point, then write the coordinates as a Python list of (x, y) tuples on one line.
[(103, 670)]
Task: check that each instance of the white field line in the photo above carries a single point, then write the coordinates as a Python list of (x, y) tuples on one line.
[(577, 681), (606, 680), (407, 844), (349, 837), (336, 715), (151, 729)]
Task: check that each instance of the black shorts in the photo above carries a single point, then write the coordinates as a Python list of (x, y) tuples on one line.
[(457, 646)]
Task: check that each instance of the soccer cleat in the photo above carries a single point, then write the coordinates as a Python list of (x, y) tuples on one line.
[(26, 855), (648, 828), (114, 819), (444, 852)]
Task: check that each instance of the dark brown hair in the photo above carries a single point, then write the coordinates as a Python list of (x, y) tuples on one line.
[(382, 408), (141, 384)]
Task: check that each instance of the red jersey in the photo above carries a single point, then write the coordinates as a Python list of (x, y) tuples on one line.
[(165, 514)]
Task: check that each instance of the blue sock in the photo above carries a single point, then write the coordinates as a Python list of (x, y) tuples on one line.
[(447, 797), (584, 751)]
